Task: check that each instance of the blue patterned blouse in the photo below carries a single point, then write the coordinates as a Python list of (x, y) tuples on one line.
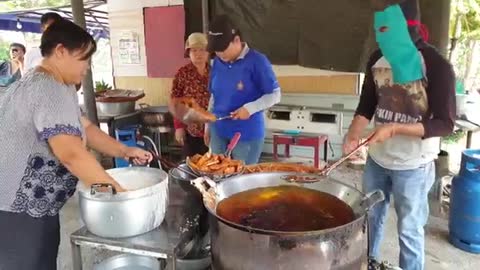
[(32, 110)]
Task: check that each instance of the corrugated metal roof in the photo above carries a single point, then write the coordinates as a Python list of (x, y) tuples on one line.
[(28, 20)]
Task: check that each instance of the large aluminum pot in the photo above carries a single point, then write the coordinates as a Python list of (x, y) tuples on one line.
[(130, 262), (235, 247), (115, 108), (126, 214)]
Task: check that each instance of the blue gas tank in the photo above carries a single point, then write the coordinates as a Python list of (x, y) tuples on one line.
[(464, 223)]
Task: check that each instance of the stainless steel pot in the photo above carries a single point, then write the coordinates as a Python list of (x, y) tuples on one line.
[(155, 116), (183, 179), (115, 108), (130, 262), (235, 247), (126, 214)]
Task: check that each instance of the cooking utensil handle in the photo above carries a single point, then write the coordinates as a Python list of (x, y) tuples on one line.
[(303, 179), (224, 118), (203, 184), (130, 163), (371, 199), (143, 105), (95, 188), (233, 143)]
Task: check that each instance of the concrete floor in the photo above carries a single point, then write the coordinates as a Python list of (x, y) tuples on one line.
[(439, 253)]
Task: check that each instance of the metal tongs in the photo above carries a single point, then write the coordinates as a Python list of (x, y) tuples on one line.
[(224, 118), (325, 172)]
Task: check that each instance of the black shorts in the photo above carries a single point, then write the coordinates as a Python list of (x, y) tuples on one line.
[(28, 243), (194, 145)]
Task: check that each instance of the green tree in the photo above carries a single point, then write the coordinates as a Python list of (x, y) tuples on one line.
[(4, 50), (465, 37), (25, 4)]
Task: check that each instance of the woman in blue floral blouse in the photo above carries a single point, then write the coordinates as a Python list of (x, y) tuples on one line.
[(43, 146)]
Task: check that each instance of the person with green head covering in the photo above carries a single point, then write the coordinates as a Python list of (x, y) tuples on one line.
[(409, 92)]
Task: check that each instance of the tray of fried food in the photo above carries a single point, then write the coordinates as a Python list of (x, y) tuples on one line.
[(215, 166), (280, 167), (189, 111)]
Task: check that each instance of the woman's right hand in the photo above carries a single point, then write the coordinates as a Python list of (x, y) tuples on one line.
[(180, 135)]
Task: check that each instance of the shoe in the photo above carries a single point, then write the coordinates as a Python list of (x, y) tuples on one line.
[(375, 265)]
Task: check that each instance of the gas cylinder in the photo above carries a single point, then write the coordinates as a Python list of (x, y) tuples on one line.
[(464, 219)]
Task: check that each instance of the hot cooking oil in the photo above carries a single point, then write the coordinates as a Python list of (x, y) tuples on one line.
[(286, 208)]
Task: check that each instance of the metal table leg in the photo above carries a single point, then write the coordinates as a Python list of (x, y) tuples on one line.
[(469, 139), (76, 256), (325, 150)]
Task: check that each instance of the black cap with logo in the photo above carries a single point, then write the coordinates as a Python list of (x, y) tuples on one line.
[(221, 32)]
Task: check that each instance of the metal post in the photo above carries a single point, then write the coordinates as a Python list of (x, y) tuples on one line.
[(469, 139), (205, 16), (76, 256), (78, 11)]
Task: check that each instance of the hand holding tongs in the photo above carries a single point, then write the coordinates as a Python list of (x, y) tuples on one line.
[(329, 168), (326, 171)]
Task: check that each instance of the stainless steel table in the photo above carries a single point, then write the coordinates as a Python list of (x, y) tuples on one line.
[(160, 243), (469, 127)]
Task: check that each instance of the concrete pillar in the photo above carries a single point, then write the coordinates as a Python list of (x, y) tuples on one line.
[(435, 14), (78, 11), (205, 15)]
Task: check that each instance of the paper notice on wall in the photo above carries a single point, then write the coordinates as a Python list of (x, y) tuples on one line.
[(129, 48)]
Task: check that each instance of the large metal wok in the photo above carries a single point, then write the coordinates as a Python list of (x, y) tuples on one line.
[(236, 247), (155, 116), (126, 214)]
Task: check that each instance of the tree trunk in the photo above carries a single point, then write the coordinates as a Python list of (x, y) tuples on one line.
[(457, 31), (470, 65), (435, 15)]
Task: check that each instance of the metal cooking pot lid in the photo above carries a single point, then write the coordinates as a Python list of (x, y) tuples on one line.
[(128, 262), (155, 109)]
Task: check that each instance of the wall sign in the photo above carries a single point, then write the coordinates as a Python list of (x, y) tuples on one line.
[(129, 48)]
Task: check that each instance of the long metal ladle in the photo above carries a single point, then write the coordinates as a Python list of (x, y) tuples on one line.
[(328, 169)]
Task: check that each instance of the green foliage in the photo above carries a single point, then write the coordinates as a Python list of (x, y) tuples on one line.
[(26, 4), (465, 37), (4, 51), (465, 19), (454, 138), (102, 86)]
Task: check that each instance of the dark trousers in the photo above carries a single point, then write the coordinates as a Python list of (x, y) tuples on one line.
[(28, 243), (194, 145)]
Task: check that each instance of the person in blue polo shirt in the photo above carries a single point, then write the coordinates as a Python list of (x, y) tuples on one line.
[(243, 85)]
